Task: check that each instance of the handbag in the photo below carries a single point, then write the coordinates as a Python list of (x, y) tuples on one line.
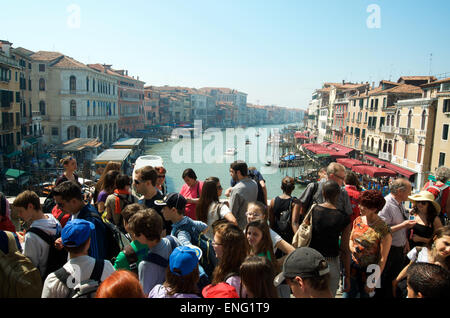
[(302, 237)]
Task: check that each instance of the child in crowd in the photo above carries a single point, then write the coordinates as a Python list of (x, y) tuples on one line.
[(257, 277), (428, 281), (120, 284), (258, 236), (182, 275)]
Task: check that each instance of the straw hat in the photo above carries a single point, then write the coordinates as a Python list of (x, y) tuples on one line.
[(425, 196)]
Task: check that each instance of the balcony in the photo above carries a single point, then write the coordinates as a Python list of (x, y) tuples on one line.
[(341, 101), (371, 127), (388, 129), (407, 132), (385, 156), (9, 61)]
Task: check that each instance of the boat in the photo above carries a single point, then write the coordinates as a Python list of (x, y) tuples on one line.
[(248, 142), (268, 163), (147, 160), (303, 181), (230, 152), (152, 140)]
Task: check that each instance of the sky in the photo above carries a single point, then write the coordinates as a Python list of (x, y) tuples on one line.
[(278, 52)]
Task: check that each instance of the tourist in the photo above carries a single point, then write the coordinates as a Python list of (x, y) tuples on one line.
[(425, 211), (231, 248), (258, 237), (330, 234), (245, 191), (441, 191), (127, 213), (182, 275), (76, 239), (220, 290), (111, 165), (146, 227), (209, 208), (307, 273), (107, 188), (395, 216), (145, 184), (428, 281), (5, 215), (437, 251), (322, 174), (370, 241), (255, 175), (35, 247), (70, 166), (116, 201), (257, 275), (160, 180), (191, 190), (353, 188), (69, 199), (120, 284), (282, 203)]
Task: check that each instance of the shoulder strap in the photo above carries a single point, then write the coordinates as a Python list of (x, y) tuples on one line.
[(47, 238), (98, 270), (173, 244), (3, 204), (12, 245), (63, 276), (60, 216), (230, 275)]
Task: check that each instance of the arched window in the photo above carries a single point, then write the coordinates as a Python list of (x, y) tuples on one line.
[(93, 109), (390, 146), (95, 131), (371, 144), (87, 83), (388, 121), (100, 132), (398, 118), (42, 84), (424, 120), (73, 108), (89, 132), (73, 83), (409, 118), (42, 107), (88, 109)]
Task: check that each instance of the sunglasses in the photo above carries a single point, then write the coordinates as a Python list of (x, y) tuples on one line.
[(219, 187), (162, 176), (422, 202)]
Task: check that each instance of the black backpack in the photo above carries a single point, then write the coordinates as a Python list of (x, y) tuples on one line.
[(56, 258), (84, 289), (48, 204), (283, 224)]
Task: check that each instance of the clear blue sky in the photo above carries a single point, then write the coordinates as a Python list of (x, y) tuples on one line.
[(277, 52)]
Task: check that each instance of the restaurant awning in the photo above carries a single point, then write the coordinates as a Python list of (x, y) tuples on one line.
[(13, 154), (374, 171), (375, 160), (399, 170), (349, 162)]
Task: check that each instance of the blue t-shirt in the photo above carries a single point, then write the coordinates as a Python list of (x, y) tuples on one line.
[(98, 246)]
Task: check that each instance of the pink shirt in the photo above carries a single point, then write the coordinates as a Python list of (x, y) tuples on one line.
[(192, 193)]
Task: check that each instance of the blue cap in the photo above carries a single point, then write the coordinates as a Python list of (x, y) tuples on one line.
[(76, 232), (183, 260)]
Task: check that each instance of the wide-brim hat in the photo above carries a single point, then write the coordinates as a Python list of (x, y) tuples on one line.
[(425, 196)]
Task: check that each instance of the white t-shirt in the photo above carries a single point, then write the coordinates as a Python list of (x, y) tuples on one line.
[(212, 217), (421, 257), (275, 239)]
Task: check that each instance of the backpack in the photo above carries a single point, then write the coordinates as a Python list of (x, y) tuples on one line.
[(260, 195), (86, 288), (312, 199), (56, 258), (208, 260), (18, 276), (48, 204), (125, 203), (132, 256), (437, 191), (283, 224), (60, 215)]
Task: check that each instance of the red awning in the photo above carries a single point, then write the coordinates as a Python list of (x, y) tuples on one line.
[(400, 170), (374, 171), (349, 162), (375, 160)]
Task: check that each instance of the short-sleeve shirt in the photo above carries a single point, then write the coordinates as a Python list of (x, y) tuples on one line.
[(327, 225), (415, 256), (214, 216), (393, 213), (367, 239), (191, 193)]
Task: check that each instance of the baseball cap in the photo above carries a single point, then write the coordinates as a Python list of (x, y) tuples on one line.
[(76, 232), (183, 260), (304, 262), (173, 200), (221, 290)]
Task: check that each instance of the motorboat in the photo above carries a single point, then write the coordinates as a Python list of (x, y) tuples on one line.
[(268, 163), (147, 160), (230, 152)]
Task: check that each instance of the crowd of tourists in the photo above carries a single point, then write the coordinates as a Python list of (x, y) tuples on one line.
[(131, 238)]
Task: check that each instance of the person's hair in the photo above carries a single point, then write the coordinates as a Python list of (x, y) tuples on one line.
[(77, 249), (431, 280), (65, 161), (260, 207), (120, 284), (130, 209), (27, 197), (148, 173), (189, 173), (111, 165), (400, 184), (265, 245), (288, 185), (122, 180), (372, 199), (442, 174), (68, 190), (323, 170), (334, 168), (331, 191), (240, 166), (235, 250), (146, 222), (257, 276), (182, 284), (109, 182), (432, 213), (208, 196), (352, 179), (440, 233), (160, 170)]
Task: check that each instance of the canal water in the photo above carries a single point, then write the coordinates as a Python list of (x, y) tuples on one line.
[(205, 155)]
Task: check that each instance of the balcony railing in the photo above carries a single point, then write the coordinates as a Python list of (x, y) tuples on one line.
[(385, 156), (406, 132), (388, 129)]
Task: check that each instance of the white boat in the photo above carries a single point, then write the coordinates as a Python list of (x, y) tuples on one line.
[(148, 160), (230, 152), (151, 140)]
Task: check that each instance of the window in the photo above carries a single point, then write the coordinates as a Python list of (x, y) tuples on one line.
[(89, 132), (93, 85), (42, 84), (398, 119), (410, 114), (42, 107), (424, 120), (441, 159), (419, 154), (405, 154), (88, 106), (446, 106), (376, 104), (73, 83), (445, 132), (384, 102), (87, 83), (73, 108), (41, 67), (54, 131), (18, 138)]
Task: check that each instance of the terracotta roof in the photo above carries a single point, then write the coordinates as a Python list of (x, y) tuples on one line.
[(46, 56), (23, 51), (416, 78), (445, 80), (402, 88), (68, 62)]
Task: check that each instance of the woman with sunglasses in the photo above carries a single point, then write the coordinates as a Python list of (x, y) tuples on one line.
[(425, 212), (161, 180), (209, 208)]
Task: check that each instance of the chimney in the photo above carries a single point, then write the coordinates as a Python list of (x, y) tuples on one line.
[(126, 72), (6, 46)]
